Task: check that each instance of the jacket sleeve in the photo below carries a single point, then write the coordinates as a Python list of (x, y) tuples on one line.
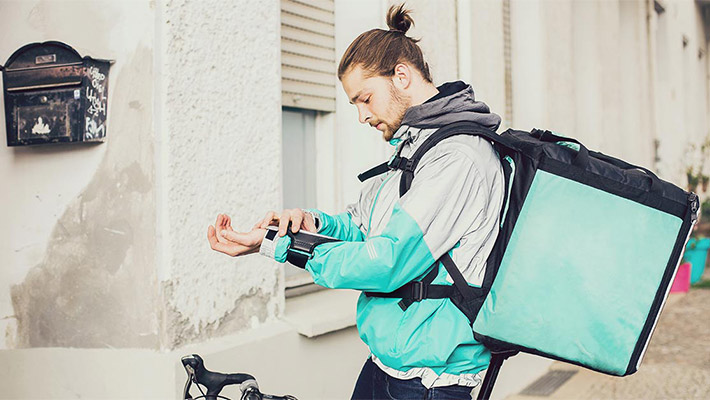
[(445, 199), (343, 226)]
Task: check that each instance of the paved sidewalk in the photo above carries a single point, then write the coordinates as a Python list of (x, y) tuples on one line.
[(676, 365)]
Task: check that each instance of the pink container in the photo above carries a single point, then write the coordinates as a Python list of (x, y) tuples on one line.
[(681, 283)]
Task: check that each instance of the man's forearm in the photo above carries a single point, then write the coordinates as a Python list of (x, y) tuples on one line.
[(382, 263), (339, 226)]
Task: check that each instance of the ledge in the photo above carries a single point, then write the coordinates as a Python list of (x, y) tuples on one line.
[(318, 313)]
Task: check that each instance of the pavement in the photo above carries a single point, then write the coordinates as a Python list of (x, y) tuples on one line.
[(676, 365)]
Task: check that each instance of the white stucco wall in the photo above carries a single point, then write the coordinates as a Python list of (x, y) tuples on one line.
[(219, 153)]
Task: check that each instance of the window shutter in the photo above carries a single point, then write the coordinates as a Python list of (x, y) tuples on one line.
[(308, 54)]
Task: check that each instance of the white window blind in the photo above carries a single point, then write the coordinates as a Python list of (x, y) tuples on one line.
[(308, 54)]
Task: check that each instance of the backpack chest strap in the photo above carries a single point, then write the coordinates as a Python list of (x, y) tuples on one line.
[(397, 162)]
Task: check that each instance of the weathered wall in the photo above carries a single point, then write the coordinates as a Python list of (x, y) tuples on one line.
[(78, 255), (435, 25), (681, 92), (357, 146), (593, 69), (481, 30), (219, 153)]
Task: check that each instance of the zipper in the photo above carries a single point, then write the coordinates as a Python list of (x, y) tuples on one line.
[(510, 188), (694, 207), (688, 223)]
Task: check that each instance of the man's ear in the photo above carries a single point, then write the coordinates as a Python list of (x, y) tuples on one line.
[(402, 77)]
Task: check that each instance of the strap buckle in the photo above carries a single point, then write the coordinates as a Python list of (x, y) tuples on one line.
[(419, 291), (402, 163)]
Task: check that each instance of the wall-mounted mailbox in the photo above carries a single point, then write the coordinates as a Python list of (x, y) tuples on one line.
[(54, 95)]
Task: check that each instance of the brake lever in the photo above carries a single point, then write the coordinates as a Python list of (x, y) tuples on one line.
[(190, 377), (251, 393), (285, 397)]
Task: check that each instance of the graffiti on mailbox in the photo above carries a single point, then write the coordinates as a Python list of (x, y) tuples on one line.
[(40, 128), (93, 130), (95, 94), (96, 104), (96, 78), (43, 120)]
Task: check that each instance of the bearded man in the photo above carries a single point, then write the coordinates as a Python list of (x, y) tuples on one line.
[(423, 348)]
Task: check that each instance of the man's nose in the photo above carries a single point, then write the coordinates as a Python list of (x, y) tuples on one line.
[(363, 114)]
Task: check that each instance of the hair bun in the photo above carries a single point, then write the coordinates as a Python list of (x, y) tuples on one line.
[(398, 19)]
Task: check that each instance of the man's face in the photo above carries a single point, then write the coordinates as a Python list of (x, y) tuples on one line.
[(379, 103)]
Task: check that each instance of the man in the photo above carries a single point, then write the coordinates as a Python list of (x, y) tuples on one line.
[(427, 349)]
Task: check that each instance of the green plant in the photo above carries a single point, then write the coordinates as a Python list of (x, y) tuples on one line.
[(693, 178), (705, 210), (696, 155)]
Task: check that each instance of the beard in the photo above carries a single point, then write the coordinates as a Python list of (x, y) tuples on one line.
[(398, 105)]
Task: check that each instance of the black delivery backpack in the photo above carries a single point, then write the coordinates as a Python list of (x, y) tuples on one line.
[(585, 257)]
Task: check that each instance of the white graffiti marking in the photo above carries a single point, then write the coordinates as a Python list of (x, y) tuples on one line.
[(97, 79), (93, 131), (96, 104), (40, 128)]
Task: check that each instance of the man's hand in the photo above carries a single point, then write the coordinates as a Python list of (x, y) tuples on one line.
[(300, 220), (224, 239)]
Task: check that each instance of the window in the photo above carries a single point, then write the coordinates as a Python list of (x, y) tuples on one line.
[(308, 85), (308, 54), (299, 181)]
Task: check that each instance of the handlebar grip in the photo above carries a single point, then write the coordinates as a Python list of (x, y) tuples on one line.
[(214, 381)]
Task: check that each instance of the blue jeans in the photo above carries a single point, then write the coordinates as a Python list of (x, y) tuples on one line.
[(373, 383)]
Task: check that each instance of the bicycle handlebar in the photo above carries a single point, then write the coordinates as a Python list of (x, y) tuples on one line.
[(215, 381)]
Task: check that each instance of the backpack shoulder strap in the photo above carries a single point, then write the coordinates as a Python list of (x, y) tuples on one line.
[(457, 128), (446, 131)]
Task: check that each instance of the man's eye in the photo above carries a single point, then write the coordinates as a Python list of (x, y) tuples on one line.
[(367, 100)]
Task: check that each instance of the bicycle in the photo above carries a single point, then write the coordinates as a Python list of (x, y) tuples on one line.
[(214, 382)]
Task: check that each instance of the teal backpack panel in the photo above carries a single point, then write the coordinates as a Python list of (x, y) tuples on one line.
[(579, 274)]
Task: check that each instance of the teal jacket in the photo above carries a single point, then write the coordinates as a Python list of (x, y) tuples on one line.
[(453, 206)]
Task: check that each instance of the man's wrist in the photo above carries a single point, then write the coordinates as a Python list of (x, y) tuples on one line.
[(315, 214), (274, 246)]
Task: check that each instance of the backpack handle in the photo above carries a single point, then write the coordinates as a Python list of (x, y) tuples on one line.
[(656, 186), (580, 160)]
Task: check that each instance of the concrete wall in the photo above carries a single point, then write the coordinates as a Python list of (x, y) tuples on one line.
[(681, 95), (435, 26), (357, 146), (91, 261), (592, 70), (78, 237), (481, 51), (576, 68), (105, 257)]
